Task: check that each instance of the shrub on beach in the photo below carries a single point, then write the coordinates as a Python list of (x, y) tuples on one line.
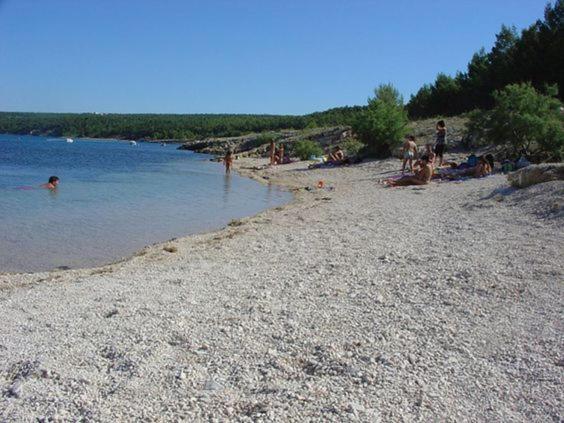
[(351, 146), (523, 118), (304, 149), (383, 125)]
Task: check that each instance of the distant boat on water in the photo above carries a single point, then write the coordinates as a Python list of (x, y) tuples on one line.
[(70, 140)]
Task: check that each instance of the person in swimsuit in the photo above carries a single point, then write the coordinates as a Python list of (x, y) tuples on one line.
[(409, 150), (483, 168), (422, 176), (429, 152), (337, 156), (441, 141), (228, 161), (272, 152), (52, 183)]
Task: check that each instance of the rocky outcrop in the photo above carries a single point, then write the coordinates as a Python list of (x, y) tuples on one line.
[(256, 144), (536, 174)]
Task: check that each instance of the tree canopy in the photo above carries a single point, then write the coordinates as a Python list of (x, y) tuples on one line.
[(536, 56), (383, 124), (523, 118)]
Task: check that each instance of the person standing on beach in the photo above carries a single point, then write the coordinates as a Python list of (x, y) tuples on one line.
[(441, 141), (272, 152), (228, 161), (409, 151), (52, 183), (281, 154)]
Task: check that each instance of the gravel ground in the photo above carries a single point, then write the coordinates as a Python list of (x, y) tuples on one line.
[(356, 303)]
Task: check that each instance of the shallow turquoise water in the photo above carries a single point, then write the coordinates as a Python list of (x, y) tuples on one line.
[(113, 199)]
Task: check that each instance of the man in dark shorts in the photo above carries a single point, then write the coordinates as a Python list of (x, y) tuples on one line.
[(441, 141)]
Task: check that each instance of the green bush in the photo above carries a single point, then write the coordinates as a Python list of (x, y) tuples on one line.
[(304, 149), (383, 125), (523, 118), (351, 146)]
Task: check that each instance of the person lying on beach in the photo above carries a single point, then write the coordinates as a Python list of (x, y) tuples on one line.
[(450, 165), (482, 168), (228, 161), (422, 176), (409, 152), (52, 183), (337, 156)]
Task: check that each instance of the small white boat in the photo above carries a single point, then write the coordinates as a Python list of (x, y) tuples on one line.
[(70, 140), (132, 143)]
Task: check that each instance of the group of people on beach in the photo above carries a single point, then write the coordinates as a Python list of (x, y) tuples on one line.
[(431, 165), (278, 156), (423, 167)]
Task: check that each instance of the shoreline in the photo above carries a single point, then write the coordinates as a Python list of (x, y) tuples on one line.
[(57, 273), (353, 302)]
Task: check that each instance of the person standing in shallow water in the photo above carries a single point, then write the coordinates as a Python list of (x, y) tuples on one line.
[(441, 141), (228, 162), (52, 183)]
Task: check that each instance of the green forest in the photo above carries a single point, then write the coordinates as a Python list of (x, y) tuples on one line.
[(536, 56), (157, 126)]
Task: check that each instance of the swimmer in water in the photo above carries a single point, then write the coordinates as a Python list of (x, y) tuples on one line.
[(52, 184)]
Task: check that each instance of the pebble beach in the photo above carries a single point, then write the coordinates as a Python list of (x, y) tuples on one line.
[(355, 302)]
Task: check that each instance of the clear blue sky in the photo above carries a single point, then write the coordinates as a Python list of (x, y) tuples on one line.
[(238, 56)]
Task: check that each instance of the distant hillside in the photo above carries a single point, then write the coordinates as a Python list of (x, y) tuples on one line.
[(157, 126)]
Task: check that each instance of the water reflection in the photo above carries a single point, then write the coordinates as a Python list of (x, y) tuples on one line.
[(269, 192), (226, 188)]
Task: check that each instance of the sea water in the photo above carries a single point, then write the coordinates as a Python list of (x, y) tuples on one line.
[(113, 199)]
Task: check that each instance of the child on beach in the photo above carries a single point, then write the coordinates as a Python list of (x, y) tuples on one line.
[(228, 161), (409, 152)]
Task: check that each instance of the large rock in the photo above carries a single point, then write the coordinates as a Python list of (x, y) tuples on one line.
[(536, 174), (252, 144)]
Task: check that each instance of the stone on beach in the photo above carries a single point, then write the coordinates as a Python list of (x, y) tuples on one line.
[(536, 174)]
